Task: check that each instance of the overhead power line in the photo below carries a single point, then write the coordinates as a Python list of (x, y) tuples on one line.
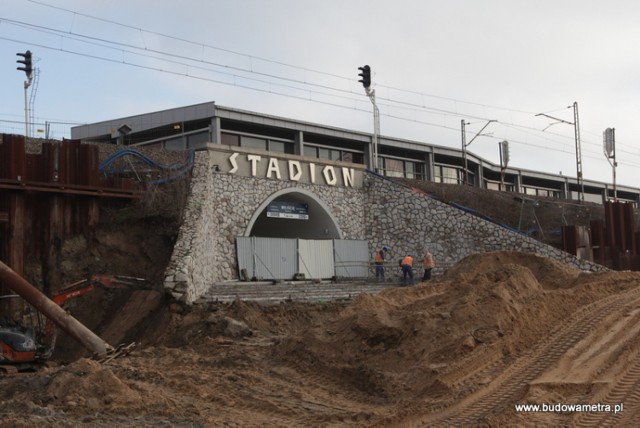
[(190, 64)]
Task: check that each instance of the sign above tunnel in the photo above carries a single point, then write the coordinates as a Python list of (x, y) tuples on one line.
[(288, 210), (287, 167)]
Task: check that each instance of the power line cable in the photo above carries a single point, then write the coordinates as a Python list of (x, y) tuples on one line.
[(423, 107), (251, 57), (282, 94), (304, 82)]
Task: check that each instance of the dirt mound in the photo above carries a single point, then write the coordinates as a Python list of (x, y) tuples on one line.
[(549, 273), (496, 330), (87, 382), (484, 299)]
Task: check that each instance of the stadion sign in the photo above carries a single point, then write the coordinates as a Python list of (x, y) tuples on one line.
[(254, 165)]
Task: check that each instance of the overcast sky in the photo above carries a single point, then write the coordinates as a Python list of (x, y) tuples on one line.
[(435, 64)]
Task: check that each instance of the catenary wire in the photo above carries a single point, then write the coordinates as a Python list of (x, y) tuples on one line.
[(423, 107)]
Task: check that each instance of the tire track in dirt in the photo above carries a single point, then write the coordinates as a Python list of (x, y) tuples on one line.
[(627, 391), (509, 387)]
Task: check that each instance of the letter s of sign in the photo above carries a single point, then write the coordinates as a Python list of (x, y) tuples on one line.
[(234, 164)]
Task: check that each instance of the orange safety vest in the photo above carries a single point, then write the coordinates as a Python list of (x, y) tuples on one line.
[(408, 260), (378, 257), (429, 261)]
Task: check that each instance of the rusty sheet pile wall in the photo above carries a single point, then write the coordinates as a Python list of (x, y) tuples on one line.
[(47, 193), (612, 243), (68, 163)]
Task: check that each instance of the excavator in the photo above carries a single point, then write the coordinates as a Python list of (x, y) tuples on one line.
[(22, 345)]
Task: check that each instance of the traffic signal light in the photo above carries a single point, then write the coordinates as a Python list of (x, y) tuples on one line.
[(365, 73), (28, 66)]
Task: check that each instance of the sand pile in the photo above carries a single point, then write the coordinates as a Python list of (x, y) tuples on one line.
[(497, 330)]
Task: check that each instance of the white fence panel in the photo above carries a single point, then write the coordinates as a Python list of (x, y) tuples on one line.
[(351, 258), (244, 248), (315, 258), (281, 258), (267, 258), (275, 258)]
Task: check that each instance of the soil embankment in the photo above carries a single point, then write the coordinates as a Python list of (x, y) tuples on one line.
[(498, 329)]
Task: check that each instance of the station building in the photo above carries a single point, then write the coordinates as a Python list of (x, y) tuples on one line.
[(277, 199), (193, 127)]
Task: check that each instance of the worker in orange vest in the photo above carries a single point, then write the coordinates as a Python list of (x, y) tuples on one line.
[(428, 263), (378, 261), (407, 269)]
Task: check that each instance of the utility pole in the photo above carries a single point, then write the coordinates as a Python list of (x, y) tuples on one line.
[(465, 145), (365, 74), (576, 130), (463, 125), (28, 69), (504, 161), (609, 137)]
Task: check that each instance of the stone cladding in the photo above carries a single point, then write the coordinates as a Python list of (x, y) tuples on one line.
[(220, 207), (410, 222)]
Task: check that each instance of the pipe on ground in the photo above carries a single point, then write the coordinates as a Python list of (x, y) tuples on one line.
[(55, 313)]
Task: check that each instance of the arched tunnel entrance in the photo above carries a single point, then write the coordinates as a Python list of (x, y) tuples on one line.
[(282, 215)]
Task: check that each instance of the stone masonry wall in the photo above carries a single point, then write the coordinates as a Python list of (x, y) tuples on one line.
[(221, 205), (220, 208), (410, 221)]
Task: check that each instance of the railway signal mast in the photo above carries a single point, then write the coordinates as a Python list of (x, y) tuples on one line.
[(365, 79), (27, 67)]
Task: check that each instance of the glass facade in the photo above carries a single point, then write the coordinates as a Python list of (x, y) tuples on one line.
[(505, 187), (539, 191), (401, 165), (447, 175), (332, 154), (253, 143), (392, 167)]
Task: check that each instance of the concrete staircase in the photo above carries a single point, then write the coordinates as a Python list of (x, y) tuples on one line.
[(300, 291)]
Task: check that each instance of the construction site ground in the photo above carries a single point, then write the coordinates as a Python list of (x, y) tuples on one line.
[(496, 331)]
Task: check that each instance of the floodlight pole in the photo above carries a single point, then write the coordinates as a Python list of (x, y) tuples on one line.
[(576, 130)]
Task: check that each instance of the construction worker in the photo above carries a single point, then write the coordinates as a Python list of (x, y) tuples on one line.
[(428, 263), (407, 269), (378, 261)]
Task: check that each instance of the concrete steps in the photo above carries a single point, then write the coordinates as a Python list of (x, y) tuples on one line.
[(269, 292)]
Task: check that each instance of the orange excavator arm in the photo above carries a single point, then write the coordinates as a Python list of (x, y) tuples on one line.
[(85, 286)]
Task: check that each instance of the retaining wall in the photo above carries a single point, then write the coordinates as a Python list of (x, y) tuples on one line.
[(221, 205)]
